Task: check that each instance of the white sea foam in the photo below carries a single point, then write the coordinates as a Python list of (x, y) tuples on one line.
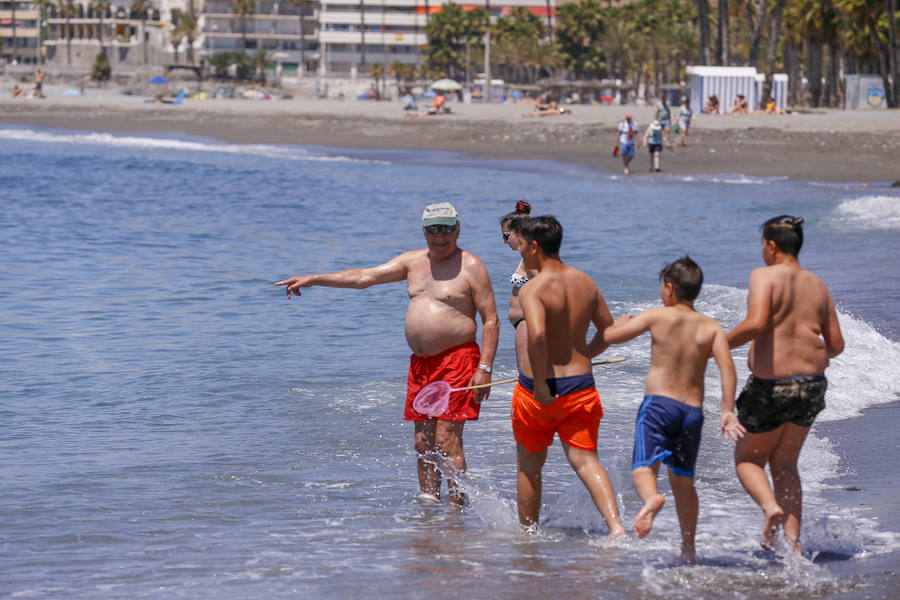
[(172, 145), (868, 212), (862, 376)]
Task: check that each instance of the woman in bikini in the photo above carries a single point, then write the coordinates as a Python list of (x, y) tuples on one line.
[(510, 227)]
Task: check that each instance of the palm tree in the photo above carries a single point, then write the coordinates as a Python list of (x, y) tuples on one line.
[(378, 72), (403, 73), (243, 8), (42, 14), (578, 33), (67, 9), (188, 31), (772, 47), (14, 43), (549, 23), (722, 54), (300, 4), (872, 34), (703, 22), (177, 34), (362, 31), (756, 12), (141, 8), (893, 50), (260, 62), (101, 6)]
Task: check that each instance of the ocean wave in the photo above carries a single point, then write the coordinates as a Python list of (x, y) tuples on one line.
[(730, 179), (174, 145), (860, 377), (868, 212)]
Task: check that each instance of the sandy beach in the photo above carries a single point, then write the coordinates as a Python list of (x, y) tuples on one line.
[(821, 145)]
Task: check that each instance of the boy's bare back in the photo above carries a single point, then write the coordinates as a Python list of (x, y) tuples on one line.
[(683, 341), (802, 322)]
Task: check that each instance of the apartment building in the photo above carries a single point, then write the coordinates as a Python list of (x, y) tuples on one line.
[(271, 25), (20, 31), (75, 32), (354, 34), (328, 37)]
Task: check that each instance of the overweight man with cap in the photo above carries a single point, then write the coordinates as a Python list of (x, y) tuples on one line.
[(447, 286)]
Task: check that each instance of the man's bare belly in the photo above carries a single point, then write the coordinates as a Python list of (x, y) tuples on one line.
[(432, 327)]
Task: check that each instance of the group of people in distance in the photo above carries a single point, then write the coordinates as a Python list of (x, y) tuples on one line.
[(791, 322), (657, 135)]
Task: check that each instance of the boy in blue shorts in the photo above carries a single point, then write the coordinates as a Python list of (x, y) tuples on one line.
[(670, 419)]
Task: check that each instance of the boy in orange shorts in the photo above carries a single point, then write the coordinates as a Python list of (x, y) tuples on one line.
[(670, 419), (560, 303)]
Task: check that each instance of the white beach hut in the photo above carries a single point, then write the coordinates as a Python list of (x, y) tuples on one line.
[(779, 90), (725, 82)]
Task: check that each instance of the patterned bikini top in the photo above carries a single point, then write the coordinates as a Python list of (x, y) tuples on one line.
[(518, 280)]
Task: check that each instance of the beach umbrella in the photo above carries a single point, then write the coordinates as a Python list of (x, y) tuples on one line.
[(446, 85), (158, 79)]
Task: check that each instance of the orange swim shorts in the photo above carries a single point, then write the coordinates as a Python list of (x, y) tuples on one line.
[(455, 366), (575, 416)]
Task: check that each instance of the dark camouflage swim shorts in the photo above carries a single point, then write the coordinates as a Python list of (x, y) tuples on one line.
[(766, 404)]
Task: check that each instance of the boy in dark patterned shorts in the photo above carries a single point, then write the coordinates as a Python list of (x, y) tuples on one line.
[(794, 328)]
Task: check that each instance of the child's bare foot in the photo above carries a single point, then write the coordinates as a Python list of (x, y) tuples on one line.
[(688, 556), (616, 532), (643, 522), (774, 520)]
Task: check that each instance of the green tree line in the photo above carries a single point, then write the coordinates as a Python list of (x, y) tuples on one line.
[(652, 41)]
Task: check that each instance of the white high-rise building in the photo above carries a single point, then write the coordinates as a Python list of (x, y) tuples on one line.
[(354, 34)]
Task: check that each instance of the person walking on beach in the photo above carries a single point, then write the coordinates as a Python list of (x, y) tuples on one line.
[(626, 138), (685, 116), (664, 116), (793, 326), (670, 420), (38, 83), (653, 139), (447, 286), (510, 229), (560, 303)]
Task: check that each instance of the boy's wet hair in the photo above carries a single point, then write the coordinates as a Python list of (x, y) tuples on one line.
[(686, 278), (514, 220), (787, 233), (546, 231)]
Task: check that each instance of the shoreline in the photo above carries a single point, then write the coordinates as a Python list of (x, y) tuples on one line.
[(828, 146), (863, 482)]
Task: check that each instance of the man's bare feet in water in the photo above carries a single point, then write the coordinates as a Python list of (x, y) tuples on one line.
[(688, 556), (643, 522), (774, 520)]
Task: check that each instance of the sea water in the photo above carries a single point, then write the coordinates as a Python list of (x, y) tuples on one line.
[(174, 427)]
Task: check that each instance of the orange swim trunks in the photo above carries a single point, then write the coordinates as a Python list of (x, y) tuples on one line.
[(455, 366), (575, 415)]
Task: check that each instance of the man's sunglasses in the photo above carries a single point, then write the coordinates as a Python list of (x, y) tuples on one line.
[(436, 229)]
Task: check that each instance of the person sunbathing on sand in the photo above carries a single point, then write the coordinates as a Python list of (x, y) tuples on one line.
[(739, 107), (670, 419)]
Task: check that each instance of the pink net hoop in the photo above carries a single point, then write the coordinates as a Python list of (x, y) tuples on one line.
[(433, 399)]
